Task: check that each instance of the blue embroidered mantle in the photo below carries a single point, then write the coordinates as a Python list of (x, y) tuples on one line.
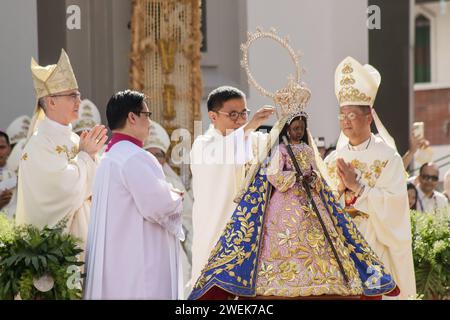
[(232, 264)]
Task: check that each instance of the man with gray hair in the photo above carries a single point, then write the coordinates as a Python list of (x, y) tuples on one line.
[(57, 167)]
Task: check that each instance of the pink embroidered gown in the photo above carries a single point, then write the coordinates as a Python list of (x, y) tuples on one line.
[(295, 258)]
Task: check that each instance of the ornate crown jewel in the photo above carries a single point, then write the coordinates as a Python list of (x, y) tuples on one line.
[(292, 99)]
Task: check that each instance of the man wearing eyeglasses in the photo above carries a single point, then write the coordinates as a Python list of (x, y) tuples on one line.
[(57, 167), (428, 198), (136, 224), (218, 159), (369, 177)]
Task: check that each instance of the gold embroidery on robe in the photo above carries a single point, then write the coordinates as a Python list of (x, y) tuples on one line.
[(70, 154), (369, 172)]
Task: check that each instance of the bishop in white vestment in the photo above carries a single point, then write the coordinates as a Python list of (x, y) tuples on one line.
[(57, 167), (55, 180), (380, 201)]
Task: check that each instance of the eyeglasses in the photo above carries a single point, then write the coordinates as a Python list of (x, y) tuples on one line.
[(427, 177), (148, 114), (234, 115), (74, 96), (350, 116)]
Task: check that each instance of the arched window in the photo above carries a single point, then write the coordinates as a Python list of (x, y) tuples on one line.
[(422, 59)]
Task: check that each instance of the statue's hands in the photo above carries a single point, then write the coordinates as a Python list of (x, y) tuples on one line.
[(309, 177)]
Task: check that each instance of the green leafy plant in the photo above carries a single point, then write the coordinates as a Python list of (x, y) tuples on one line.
[(27, 254), (431, 251)]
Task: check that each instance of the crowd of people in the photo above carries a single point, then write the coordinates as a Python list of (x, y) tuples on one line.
[(268, 215)]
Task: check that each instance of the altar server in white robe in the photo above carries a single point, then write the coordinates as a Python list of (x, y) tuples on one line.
[(136, 220), (57, 167), (218, 159), (368, 174)]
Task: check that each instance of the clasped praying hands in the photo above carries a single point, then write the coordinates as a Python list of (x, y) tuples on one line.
[(347, 176), (91, 142)]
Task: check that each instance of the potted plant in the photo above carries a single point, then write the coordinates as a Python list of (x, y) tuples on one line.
[(38, 263), (431, 252)]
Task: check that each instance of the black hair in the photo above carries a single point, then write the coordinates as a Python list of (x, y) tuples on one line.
[(222, 94), (365, 109), (120, 105), (5, 135), (284, 131), (427, 164), (411, 186)]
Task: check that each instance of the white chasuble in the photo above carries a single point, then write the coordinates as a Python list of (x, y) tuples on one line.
[(384, 218), (55, 180)]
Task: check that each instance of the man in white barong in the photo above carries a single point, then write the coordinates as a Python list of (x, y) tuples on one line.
[(136, 220), (368, 174), (57, 167), (218, 160)]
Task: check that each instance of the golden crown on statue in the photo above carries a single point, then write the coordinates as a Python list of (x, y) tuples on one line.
[(291, 99)]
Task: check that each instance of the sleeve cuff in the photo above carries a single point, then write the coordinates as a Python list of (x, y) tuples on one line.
[(174, 223), (85, 157)]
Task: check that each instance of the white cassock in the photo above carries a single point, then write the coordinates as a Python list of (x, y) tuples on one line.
[(385, 220), (218, 171), (136, 226), (55, 180)]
